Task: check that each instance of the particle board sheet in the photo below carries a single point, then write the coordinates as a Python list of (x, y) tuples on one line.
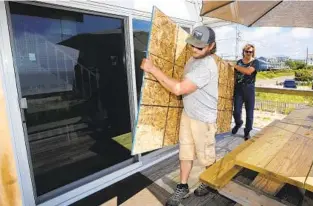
[(158, 119), (225, 94), (159, 111), (284, 151)]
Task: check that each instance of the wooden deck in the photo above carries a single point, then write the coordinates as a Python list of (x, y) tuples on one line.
[(233, 183), (155, 185)]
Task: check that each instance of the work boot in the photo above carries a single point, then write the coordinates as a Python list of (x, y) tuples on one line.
[(181, 192), (202, 190), (247, 135), (235, 129)]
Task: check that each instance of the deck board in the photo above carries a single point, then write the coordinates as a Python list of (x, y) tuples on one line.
[(266, 147), (220, 173), (267, 185), (154, 185)]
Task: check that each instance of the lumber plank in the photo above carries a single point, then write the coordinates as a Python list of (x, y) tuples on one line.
[(294, 160), (245, 196), (297, 92), (267, 185), (307, 131), (220, 173), (271, 139), (289, 145), (309, 181)]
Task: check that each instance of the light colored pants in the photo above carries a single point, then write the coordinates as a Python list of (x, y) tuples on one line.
[(197, 140)]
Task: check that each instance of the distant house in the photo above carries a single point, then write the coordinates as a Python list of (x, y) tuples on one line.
[(278, 62), (263, 59), (264, 64)]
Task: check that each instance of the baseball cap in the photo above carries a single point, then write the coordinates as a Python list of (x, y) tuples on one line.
[(201, 36)]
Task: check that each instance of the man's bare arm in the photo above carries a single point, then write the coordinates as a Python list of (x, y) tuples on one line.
[(172, 85)]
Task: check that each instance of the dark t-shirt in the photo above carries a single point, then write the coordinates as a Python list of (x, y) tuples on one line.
[(247, 79)]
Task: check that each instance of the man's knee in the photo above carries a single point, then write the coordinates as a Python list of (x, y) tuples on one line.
[(207, 162)]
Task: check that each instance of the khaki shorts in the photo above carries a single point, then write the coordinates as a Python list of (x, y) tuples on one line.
[(197, 140)]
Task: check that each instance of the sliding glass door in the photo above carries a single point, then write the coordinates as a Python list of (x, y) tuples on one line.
[(72, 76)]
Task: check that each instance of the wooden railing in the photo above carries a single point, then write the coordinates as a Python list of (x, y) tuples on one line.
[(297, 92)]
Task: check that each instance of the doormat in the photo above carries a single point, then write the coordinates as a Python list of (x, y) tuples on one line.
[(158, 118)]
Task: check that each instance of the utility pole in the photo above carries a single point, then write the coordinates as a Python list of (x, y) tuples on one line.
[(307, 56), (238, 37)]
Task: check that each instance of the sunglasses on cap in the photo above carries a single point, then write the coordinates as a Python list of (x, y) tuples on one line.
[(248, 52), (196, 47)]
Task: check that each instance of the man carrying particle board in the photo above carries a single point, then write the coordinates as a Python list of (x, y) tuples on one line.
[(199, 89)]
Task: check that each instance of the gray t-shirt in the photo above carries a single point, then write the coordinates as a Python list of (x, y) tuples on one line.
[(202, 104)]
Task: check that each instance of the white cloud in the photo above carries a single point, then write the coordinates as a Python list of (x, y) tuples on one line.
[(302, 33), (225, 32), (269, 41)]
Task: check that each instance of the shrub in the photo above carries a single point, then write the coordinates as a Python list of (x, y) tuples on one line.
[(304, 75)]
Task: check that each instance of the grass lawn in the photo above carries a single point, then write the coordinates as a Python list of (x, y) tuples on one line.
[(271, 75), (283, 98), (125, 140)]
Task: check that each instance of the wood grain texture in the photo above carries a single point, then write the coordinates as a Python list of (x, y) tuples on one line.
[(163, 37), (288, 145), (246, 196), (165, 66), (225, 95), (155, 94), (266, 184), (9, 188), (271, 139), (309, 181), (172, 126), (221, 172), (150, 128)]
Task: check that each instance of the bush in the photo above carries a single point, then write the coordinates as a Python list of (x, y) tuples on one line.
[(304, 75)]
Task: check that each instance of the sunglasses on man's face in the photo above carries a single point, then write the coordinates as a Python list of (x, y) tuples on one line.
[(196, 47), (249, 52)]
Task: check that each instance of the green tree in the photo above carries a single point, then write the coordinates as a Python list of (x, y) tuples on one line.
[(295, 64), (291, 64)]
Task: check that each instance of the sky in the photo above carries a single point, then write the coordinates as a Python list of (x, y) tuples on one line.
[(269, 41)]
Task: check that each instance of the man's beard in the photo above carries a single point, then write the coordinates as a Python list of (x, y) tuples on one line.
[(202, 56)]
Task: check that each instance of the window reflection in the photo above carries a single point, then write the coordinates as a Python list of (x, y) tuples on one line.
[(71, 71), (141, 31)]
